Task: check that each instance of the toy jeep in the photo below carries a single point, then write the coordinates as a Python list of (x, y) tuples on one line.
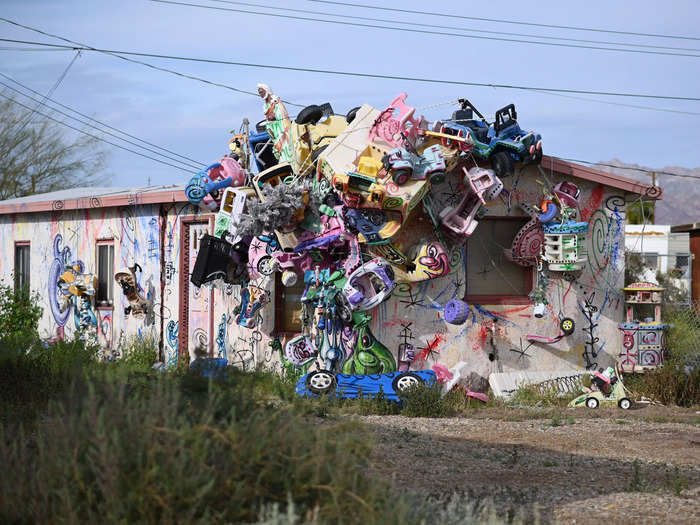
[(311, 135), (503, 142), (404, 165)]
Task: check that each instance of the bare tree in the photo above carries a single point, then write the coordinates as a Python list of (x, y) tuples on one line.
[(37, 155)]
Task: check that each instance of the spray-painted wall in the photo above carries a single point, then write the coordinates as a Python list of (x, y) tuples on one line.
[(163, 237)]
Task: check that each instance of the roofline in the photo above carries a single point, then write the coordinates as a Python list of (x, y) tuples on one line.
[(682, 228), (559, 166), (609, 179), (96, 201)]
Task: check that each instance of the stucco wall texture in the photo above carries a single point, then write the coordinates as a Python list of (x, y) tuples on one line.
[(493, 339)]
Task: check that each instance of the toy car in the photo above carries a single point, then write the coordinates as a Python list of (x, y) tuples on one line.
[(404, 164), (396, 123), (252, 299), (392, 385), (310, 135), (373, 226), (232, 205), (484, 186), (594, 398), (369, 285), (359, 190), (503, 142), (262, 147)]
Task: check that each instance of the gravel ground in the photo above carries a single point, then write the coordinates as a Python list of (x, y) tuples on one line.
[(576, 466)]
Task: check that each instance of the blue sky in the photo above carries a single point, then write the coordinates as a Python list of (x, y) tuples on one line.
[(194, 119)]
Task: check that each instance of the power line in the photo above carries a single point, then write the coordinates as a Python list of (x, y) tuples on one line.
[(196, 163), (95, 136), (422, 31), (186, 164), (662, 110), (49, 92), (85, 47), (345, 73), (501, 21), (643, 170), (419, 24)]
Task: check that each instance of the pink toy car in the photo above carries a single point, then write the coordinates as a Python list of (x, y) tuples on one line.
[(389, 126), (484, 186)]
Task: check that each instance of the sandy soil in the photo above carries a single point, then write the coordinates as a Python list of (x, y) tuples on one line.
[(581, 466)]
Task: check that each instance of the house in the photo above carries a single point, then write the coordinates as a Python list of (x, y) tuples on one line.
[(693, 232), (154, 235), (664, 249)]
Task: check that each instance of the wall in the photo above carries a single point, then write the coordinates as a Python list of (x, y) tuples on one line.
[(493, 339), (63, 237)]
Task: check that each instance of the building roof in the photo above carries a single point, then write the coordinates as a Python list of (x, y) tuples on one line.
[(686, 227), (81, 198)]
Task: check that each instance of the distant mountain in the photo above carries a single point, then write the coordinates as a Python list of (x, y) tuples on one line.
[(681, 199)]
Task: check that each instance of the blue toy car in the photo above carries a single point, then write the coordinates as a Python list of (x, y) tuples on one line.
[(392, 385), (503, 142), (262, 148)]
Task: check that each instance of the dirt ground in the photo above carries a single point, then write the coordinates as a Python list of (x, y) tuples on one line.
[(577, 466)]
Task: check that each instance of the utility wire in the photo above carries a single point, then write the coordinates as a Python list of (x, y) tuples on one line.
[(586, 99), (49, 92), (643, 170), (341, 73), (189, 165), (192, 161), (422, 31), (96, 137), (439, 26), (85, 47), (501, 21)]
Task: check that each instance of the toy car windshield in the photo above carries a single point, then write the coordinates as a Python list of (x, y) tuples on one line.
[(505, 117)]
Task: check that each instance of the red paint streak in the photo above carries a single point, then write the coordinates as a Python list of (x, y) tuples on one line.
[(563, 300), (593, 202), (481, 338), (504, 313), (432, 346)]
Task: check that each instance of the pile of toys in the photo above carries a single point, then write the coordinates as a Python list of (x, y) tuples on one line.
[(334, 201)]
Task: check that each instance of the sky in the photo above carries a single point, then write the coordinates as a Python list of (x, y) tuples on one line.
[(194, 119)]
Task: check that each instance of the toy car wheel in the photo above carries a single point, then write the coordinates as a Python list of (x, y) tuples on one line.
[(405, 381), (456, 311), (351, 114), (437, 177), (401, 177), (592, 402), (321, 382), (266, 265), (502, 164), (309, 115), (567, 326), (261, 127), (624, 403)]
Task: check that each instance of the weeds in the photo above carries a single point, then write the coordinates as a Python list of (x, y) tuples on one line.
[(676, 482), (637, 482)]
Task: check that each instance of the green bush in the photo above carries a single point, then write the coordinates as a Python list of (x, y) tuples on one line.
[(19, 314), (166, 455)]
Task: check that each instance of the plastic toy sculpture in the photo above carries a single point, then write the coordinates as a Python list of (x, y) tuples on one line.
[(329, 206), (607, 389), (126, 278), (643, 342)]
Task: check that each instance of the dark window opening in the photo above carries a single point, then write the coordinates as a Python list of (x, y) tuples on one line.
[(22, 266), (105, 274)]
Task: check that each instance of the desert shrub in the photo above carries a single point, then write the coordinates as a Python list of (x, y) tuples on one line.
[(19, 314), (140, 353), (103, 454), (424, 401), (672, 384)]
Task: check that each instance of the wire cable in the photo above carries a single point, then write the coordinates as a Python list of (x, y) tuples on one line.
[(422, 31), (85, 47), (95, 136), (188, 165), (418, 24), (49, 92), (501, 21), (340, 73), (195, 162)]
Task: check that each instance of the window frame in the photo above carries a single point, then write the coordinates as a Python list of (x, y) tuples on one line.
[(110, 303), (28, 282), (280, 309), (499, 298)]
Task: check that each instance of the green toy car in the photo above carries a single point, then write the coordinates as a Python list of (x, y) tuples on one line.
[(610, 390)]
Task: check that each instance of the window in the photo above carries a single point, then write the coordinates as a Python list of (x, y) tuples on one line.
[(105, 273), (650, 261), (21, 265), (288, 306), (490, 275)]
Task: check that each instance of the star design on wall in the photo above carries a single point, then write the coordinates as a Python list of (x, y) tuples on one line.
[(412, 301), (452, 196)]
